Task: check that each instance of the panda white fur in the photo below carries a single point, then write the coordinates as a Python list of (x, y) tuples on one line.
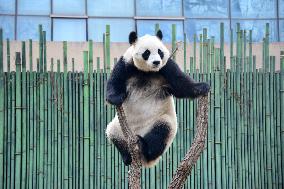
[(144, 82)]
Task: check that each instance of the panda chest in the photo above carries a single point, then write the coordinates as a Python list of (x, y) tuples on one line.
[(147, 88)]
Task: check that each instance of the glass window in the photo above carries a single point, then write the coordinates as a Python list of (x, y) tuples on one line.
[(213, 28), (148, 27), (7, 6), (119, 29), (258, 28), (281, 8), (69, 30), (159, 8), (110, 8), (7, 23), (41, 7), (253, 9), (27, 27), (281, 23), (206, 8), (70, 7)]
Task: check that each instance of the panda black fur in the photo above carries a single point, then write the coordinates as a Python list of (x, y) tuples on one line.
[(144, 81)]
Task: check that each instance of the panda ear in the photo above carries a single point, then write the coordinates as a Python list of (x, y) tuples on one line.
[(132, 37), (159, 34)]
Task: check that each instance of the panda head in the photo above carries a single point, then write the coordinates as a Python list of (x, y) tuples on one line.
[(148, 53)]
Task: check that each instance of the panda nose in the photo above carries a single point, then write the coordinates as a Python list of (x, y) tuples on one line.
[(156, 63)]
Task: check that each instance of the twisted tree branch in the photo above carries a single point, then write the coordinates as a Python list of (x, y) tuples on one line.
[(191, 157)]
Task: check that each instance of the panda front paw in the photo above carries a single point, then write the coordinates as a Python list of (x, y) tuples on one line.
[(201, 89), (116, 99)]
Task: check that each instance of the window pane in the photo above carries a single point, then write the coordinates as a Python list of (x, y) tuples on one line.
[(27, 27), (213, 28), (148, 27), (7, 23), (110, 8), (254, 9), (281, 30), (69, 30), (258, 28), (119, 29), (206, 8), (281, 8), (7, 6), (34, 7), (70, 7), (158, 8)]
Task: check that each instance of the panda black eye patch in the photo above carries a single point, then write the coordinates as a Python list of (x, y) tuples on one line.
[(161, 53), (146, 54)]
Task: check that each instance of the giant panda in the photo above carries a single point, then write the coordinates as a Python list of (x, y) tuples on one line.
[(144, 81)]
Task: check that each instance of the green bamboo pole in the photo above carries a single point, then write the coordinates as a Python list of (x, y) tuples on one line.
[(65, 119), (9, 118), (282, 108), (92, 126), (33, 136), (44, 51), (255, 127), (59, 126), (1, 111), (205, 51), (13, 130), (107, 43), (184, 52), (194, 49), (52, 124), (174, 40), (49, 142), (278, 131), (108, 151), (231, 49), (200, 53), (272, 120), (31, 55), (157, 27), (86, 123), (24, 118), (18, 137)]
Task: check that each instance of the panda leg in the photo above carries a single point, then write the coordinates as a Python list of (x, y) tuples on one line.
[(154, 142)]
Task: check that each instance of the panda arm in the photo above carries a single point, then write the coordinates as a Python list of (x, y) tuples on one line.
[(116, 84), (181, 85)]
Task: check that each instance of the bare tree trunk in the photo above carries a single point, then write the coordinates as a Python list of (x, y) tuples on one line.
[(186, 164), (196, 148), (132, 141)]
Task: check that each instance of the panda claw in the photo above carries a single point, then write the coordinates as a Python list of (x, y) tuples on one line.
[(202, 89)]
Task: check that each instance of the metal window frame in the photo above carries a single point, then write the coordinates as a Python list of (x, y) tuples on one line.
[(136, 18)]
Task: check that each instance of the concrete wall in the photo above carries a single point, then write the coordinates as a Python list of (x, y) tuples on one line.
[(75, 50)]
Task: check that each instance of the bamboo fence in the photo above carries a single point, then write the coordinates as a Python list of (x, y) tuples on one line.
[(52, 123)]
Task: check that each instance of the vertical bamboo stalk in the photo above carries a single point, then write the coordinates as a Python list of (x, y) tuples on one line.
[(31, 55), (174, 39), (282, 108), (184, 52), (194, 49), (65, 118), (2, 124), (86, 123), (107, 46), (200, 53), (24, 116), (92, 125), (18, 137)]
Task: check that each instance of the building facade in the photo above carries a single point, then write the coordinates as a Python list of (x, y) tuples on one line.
[(81, 20)]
